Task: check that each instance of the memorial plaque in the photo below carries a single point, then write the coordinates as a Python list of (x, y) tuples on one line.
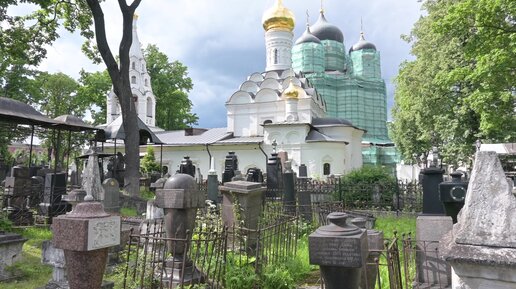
[(103, 233), (337, 251)]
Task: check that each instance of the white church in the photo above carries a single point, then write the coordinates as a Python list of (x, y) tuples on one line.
[(274, 110)]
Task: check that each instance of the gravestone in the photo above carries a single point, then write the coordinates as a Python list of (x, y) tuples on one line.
[(230, 166), (375, 244), (303, 173), (18, 193), (289, 188), (187, 167), (340, 249), (274, 171), (179, 198), (481, 248), (254, 175), (85, 235), (452, 194), (52, 203), (10, 252), (213, 183), (111, 196), (242, 203)]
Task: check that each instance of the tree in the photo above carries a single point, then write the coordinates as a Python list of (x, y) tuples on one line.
[(29, 41), (170, 83), (149, 164), (449, 97), (95, 86)]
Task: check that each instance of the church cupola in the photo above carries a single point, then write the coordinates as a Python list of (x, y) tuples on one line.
[(333, 41), (365, 59), (278, 22), (291, 95), (308, 53)]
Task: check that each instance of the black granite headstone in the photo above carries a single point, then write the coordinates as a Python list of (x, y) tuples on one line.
[(430, 179), (230, 166)]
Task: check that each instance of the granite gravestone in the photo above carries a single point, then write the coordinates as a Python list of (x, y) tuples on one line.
[(340, 250), (10, 252), (213, 183), (481, 248), (452, 194), (274, 171), (111, 200)]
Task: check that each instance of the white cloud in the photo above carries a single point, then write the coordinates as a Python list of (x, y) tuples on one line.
[(221, 42)]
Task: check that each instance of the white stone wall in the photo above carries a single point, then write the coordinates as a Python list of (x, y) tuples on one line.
[(278, 44)]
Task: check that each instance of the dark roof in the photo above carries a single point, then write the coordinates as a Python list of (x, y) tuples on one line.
[(330, 121), (21, 113), (72, 123), (362, 44), (317, 136), (307, 37), (115, 130), (326, 31)]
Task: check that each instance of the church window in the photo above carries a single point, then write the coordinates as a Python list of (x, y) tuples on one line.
[(326, 169), (133, 65), (149, 107), (267, 121), (133, 79), (143, 67), (276, 56), (146, 82)]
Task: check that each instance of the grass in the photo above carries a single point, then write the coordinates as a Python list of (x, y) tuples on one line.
[(128, 212), (389, 224), (32, 273)]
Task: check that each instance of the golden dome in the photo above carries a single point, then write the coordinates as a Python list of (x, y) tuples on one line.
[(278, 17), (292, 91)]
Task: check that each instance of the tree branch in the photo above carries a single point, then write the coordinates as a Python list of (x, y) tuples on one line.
[(102, 43)]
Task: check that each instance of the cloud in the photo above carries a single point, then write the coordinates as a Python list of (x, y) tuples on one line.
[(222, 42)]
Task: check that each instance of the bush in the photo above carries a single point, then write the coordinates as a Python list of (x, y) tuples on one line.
[(277, 277), (369, 186), (148, 164)]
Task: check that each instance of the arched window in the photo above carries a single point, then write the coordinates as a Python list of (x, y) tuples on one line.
[(135, 101), (133, 65), (267, 121), (149, 107), (276, 56), (326, 169), (133, 79), (146, 82)]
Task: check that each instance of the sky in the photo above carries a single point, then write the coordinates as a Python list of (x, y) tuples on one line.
[(222, 42)]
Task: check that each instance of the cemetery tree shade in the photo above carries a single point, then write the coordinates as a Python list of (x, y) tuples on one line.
[(171, 84), (461, 86)]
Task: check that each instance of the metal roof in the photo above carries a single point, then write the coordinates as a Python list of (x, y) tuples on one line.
[(115, 130), (210, 136), (15, 111), (317, 136), (242, 140), (72, 123)]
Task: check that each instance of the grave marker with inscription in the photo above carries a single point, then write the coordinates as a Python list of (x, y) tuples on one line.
[(340, 250)]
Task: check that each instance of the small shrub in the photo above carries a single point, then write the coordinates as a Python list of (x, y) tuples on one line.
[(128, 212), (148, 164)]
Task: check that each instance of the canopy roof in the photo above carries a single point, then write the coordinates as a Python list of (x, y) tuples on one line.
[(73, 123), (115, 130), (15, 111)]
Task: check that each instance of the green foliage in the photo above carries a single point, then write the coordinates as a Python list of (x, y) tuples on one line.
[(148, 164), (460, 88), (359, 186), (171, 84), (147, 195), (94, 88), (240, 272), (277, 277), (5, 224), (128, 212)]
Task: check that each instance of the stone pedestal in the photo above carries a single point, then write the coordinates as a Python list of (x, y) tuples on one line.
[(10, 252), (431, 270), (340, 250), (481, 248), (242, 201), (85, 234)]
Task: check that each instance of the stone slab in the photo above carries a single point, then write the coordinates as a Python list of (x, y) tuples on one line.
[(343, 251), (432, 228), (243, 187), (178, 199)]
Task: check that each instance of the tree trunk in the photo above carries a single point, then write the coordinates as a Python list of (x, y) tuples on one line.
[(121, 87)]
